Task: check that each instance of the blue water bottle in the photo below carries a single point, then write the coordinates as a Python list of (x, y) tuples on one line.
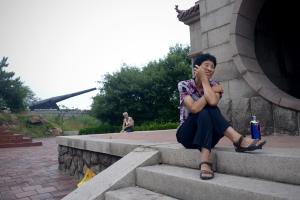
[(255, 128)]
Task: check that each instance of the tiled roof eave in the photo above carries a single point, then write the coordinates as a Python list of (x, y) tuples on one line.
[(188, 16), (191, 19)]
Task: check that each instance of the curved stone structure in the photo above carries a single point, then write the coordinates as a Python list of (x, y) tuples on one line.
[(244, 17), (228, 29)]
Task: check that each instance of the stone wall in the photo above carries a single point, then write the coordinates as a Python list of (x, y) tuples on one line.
[(273, 119), (74, 161)]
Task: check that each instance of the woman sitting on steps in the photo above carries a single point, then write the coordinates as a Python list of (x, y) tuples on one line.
[(201, 123)]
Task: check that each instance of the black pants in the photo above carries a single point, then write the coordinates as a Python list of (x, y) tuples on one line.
[(203, 129), (129, 129)]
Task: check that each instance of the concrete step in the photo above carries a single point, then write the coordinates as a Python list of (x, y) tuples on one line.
[(274, 164), (27, 139), (20, 144), (4, 131), (282, 165), (16, 138), (11, 138), (135, 193), (185, 183)]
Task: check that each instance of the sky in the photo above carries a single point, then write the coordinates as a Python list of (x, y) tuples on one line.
[(59, 47)]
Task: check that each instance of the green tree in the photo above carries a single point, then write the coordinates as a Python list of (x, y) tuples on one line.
[(13, 94), (147, 94)]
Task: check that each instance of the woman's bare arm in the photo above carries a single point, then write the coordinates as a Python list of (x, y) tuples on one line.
[(194, 106), (210, 95)]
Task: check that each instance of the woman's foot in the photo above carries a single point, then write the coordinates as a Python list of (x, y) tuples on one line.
[(248, 144), (206, 170)]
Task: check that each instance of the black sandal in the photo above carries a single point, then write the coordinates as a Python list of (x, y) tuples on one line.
[(202, 172), (253, 146)]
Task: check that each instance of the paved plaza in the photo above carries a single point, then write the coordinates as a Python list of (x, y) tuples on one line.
[(31, 173)]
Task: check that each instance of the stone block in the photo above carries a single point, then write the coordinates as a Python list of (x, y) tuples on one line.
[(252, 65), (238, 88), (94, 158), (258, 80), (237, 6), (226, 71), (222, 52), (79, 152), (87, 157), (239, 64), (212, 5), (77, 175), (195, 34), (245, 27), (202, 4), (245, 46), (72, 168), (60, 159), (216, 18), (204, 41), (62, 150), (272, 94), (241, 115), (73, 151), (250, 8), (290, 102), (225, 107), (262, 109), (285, 121), (218, 36), (67, 160), (80, 164)]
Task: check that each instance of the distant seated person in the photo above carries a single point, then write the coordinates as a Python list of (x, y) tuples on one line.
[(128, 123)]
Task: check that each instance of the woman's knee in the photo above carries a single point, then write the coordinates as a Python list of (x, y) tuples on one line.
[(203, 113), (212, 108)]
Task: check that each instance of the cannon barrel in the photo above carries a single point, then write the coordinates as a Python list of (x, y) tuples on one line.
[(50, 103)]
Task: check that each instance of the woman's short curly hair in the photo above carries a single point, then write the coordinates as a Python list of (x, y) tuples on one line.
[(204, 57)]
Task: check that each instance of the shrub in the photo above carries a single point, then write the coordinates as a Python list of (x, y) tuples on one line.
[(103, 128), (107, 128), (156, 126)]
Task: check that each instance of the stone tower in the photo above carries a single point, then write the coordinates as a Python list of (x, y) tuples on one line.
[(256, 48)]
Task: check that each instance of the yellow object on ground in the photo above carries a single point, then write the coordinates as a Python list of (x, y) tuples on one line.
[(87, 176)]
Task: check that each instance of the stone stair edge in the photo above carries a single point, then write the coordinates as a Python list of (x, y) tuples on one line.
[(82, 142), (225, 159), (262, 164), (135, 193), (172, 180)]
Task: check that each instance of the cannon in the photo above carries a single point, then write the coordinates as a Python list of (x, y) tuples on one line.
[(50, 103)]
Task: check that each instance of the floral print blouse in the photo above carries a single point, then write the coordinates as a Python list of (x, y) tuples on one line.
[(188, 87)]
